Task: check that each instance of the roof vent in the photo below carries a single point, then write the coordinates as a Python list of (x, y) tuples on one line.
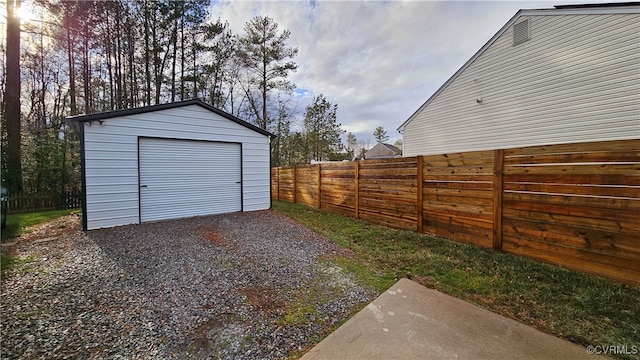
[(521, 32)]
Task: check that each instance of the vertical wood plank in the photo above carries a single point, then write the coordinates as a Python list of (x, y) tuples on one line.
[(357, 189), (498, 173), (278, 183), (419, 204), (295, 183), (319, 187)]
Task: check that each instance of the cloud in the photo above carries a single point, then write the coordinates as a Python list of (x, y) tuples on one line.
[(379, 61)]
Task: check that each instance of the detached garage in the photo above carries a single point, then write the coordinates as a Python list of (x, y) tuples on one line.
[(170, 161)]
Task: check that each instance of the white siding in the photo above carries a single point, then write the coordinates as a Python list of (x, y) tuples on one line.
[(111, 159), (576, 80)]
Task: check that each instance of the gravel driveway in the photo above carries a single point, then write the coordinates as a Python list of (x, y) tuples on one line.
[(242, 285)]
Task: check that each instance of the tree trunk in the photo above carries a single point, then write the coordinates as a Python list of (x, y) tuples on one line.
[(157, 73), (86, 70), (110, 50), (43, 90), (72, 75), (120, 88), (182, 60), (132, 75), (13, 176), (195, 74), (147, 51), (264, 91), (174, 39)]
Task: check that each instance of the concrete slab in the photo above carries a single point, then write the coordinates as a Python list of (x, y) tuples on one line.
[(410, 321)]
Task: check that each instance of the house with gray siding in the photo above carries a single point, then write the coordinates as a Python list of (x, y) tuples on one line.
[(562, 75), (170, 161), (382, 151)]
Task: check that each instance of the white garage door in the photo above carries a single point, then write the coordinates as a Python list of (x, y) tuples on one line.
[(183, 178)]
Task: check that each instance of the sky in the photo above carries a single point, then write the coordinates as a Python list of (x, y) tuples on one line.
[(377, 60)]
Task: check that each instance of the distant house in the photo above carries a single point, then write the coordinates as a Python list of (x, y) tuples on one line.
[(382, 151), (561, 75)]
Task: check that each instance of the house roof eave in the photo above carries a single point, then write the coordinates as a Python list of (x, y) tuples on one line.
[(459, 71), (611, 8)]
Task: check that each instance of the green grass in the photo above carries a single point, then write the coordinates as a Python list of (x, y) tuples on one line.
[(14, 262), (585, 309), (18, 223), (299, 315)]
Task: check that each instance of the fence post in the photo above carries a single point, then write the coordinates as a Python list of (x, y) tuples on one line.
[(498, 174), (419, 204), (295, 183), (278, 183), (319, 187), (357, 188)]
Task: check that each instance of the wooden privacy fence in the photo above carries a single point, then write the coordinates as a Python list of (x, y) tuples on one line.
[(23, 203), (576, 205)]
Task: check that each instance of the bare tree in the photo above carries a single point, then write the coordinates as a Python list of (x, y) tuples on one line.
[(363, 146)]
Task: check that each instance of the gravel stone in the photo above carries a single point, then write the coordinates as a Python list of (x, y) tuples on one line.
[(244, 285)]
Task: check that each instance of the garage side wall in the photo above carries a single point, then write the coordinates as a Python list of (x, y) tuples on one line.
[(111, 159)]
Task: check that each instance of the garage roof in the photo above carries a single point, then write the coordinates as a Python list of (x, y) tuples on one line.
[(145, 109)]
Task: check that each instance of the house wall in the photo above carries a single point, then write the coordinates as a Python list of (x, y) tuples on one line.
[(111, 159), (577, 79)]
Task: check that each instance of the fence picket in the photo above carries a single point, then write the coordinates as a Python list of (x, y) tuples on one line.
[(24, 203)]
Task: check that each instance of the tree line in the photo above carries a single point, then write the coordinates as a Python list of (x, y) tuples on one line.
[(83, 57)]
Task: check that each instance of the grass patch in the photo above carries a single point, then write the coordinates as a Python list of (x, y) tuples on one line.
[(302, 303), (35, 313), (585, 309), (17, 224), (15, 261), (299, 314), (363, 274), (20, 264)]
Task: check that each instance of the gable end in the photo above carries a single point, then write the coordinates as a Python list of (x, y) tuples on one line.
[(75, 120), (603, 9)]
